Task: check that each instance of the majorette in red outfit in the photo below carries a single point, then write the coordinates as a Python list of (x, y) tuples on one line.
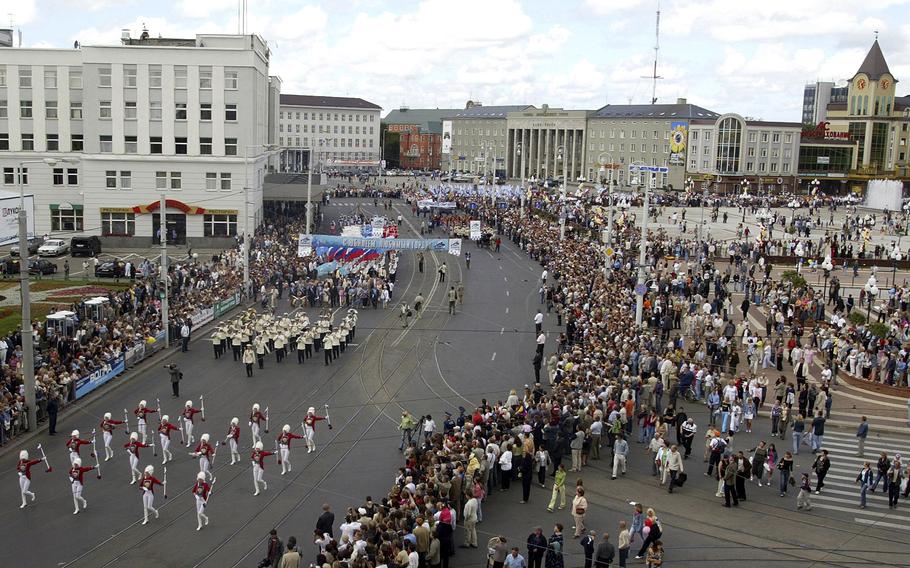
[(73, 444), (133, 448), (140, 413), (233, 439), (201, 493), (188, 412), (76, 474), (258, 456), (205, 452), (24, 469), (164, 434), (309, 428), (284, 447), (147, 486)]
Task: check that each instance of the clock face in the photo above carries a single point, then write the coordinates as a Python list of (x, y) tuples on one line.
[(861, 83), (885, 84)]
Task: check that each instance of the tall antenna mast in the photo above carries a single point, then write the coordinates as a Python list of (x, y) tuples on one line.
[(654, 76)]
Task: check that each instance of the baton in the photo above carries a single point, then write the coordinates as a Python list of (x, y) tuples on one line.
[(266, 419), (126, 422), (202, 406), (211, 490), (165, 482), (277, 452), (97, 463), (44, 457), (180, 424), (327, 418)]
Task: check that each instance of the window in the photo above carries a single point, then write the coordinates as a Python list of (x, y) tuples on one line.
[(131, 144), (786, 167), (28, 141), (180, 145), (764, 153), (160, 180), (129, 110), (75, 78), (50, 78), (4, 140), (775, 137), (129, 75), (155, 76), (104, 76), (750, 166), (176, 180), (3, 108), (25, 77), (25, 109), (788, 139), (53, 142), (180, 111), (104, 109), (155, 110), (66, 219), (180, 77), (50, 109), (126, 179), (764, 136), (225, 181), (205, 77), (230, 146), (230, 113), (205, 146), (156, 146), (219, 225), (110, 179), (205, 111), (106, 144), (76, 110), (773, 166), (77, 142), (231, 78), (750, 151), (70, 176), (2, 76), (58, 176), (118, 224), (211, 181), (761, 166)]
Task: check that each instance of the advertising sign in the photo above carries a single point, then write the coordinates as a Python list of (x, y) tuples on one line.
[(203, 316), (455, 247), (9, 217), (475, 230), (446, 136), (381, 245), (678, 137), (226, 305), (304, 245), (108, 371)]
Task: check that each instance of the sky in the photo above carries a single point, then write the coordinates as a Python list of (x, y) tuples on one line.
[(752, 57)]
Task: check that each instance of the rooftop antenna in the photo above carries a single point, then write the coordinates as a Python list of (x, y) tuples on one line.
[(241, 17), (654, 76)]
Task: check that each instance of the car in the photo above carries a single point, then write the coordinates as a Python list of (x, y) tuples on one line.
[(88, 246), (111, 268), (41, 266), (53, 247), (33, 244)]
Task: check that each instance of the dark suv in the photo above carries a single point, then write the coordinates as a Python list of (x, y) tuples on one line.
[(85, 246)]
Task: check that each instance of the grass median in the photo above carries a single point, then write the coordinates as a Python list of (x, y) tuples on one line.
[(49, 296)]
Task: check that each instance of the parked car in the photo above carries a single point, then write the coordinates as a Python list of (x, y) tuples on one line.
[(53, 247), (33, 244), (88, 246), (41, 266), (112, 268)]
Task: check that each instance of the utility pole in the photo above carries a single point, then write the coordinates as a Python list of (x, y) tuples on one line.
[(28, 350), (162, 228), (643, 245), (309, 191)]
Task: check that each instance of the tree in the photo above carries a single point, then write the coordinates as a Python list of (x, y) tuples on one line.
[(794, 279)]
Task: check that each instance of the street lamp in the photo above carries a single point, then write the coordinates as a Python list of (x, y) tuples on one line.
[(28, 349), (871, 291), (562, 194), (522, 188), (896, 257), (827, 267)]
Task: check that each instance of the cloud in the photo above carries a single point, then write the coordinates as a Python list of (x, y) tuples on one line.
[(207, 8), (303, 23), (155, 25), (21, 12), (610, 7)]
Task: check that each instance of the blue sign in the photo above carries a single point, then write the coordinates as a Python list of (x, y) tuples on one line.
[(439, 245), (108, 371), (472, 206), (538, 204), (652, 169), (640, 289), (503, 205)]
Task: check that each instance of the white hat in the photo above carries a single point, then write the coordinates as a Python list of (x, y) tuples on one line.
[(362, 511), (204, 437), (150, 469), (188, 404), (107, 415), (134, 436), (75, 434), (286, 428), (165, 418), (77, 462), (200, 476), (311, 410), (141, 403), (23, 455), (235, 421), (258, 445), (256, 406)]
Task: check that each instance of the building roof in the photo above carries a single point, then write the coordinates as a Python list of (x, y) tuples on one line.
[(427, 119), (666, 111), (329, 102), (874, 64), (481, 112), (749, 122)]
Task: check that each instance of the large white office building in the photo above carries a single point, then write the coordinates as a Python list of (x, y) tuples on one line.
[(343, 132), (187, 118)]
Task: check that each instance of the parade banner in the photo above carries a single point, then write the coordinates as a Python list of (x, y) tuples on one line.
[(381, 245), (203, 316), (475, 230), (226, 305), (304, 245), (378, 226), (455, 247), (134, 354), (108, 371), (430, 204)]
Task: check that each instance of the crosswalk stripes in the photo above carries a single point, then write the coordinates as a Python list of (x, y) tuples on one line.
[(841, 493)]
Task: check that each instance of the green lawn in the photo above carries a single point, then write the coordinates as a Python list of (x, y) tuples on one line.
[(11, 316)]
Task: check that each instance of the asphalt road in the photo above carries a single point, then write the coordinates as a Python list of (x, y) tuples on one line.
[(440, 362)]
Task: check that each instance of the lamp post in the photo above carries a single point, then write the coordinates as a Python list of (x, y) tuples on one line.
[(28, 349), (871, 291), (896, 257), (827, 266), (640, 300), (522, 187)]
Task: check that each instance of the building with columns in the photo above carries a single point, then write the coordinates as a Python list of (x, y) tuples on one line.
[(478, 138), (546, 143)]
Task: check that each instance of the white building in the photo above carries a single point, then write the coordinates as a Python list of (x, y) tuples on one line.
[(146, 117), (343, 131)]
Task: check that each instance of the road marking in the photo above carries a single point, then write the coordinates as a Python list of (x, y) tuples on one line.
[(507, 292), (505, 278), (493, 358), (500, 267), (501, 331), (507, 310)]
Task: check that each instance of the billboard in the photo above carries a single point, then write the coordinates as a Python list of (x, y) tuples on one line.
[(108, 371), (9, 217), (446, 136), (679, 135)]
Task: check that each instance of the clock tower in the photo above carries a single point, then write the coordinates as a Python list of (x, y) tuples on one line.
[(871, 90)]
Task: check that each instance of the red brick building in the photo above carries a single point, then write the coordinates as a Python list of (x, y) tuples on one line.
[(420, 136)]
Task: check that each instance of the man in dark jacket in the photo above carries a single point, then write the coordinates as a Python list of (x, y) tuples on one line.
[(537, 546), (587, 544), (175, 374), (325, 521), (275, 549), (605, 553)]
